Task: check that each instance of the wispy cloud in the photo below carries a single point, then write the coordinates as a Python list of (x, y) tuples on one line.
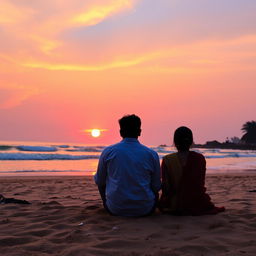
[(41, 30), (13, 95), (95, 14), (46, 45), (11, 14), (89, 15), (200, 56), (122, 63)]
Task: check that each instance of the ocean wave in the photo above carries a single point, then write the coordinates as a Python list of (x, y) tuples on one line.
[(41, 156), (210, 150), (5, 147), (85, 149), (23, 156), (162, 150), (37, 148), (63, 146)]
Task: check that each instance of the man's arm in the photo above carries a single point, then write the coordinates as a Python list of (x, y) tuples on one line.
[(102, 190), (165, 180), (155, 179), (100, 177)]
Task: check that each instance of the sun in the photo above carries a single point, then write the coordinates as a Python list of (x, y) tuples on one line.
[(95, 133)]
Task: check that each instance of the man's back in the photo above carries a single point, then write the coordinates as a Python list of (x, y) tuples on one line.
[(131, 174)]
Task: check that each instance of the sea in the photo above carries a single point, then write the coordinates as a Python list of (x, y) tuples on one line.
[(45, 159)]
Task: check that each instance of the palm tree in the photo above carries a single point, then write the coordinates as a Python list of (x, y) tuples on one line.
[(249, 128)]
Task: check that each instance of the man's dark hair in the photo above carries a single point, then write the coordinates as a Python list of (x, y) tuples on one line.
[(130, 126), (183, 138)]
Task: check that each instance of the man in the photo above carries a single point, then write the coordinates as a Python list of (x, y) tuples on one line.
[(128, 175)]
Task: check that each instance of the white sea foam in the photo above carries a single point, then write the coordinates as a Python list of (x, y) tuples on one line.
[(23, 156)]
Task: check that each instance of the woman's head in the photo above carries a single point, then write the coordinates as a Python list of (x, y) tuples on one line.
[(183, 138)]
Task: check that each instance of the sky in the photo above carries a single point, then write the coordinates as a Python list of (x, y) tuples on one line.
[(70, 66)]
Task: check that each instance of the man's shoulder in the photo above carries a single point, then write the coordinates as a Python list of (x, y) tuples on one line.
[(121, 146), (110, 147), (149, 150)]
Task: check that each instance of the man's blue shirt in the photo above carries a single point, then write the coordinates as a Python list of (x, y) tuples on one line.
[(131, 173)]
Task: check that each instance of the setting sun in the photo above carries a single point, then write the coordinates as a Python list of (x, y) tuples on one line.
[(95, 133)]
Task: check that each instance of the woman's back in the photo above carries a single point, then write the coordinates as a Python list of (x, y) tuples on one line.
[(193, 198), (183, 184), (183, 179)]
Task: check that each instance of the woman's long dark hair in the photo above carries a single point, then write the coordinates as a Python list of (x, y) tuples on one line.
[(183, 138)]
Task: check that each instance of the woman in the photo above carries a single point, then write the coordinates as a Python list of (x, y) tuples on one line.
[(183, 180)]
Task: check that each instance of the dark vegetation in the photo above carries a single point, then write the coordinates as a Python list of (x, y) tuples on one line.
[(247, 141)]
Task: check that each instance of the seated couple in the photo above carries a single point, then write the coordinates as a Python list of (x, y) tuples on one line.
[(128, 176)]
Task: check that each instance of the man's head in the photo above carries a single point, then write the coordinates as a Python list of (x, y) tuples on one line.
[(130, 126)]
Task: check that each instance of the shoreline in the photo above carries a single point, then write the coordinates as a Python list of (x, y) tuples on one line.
[(219, 145)]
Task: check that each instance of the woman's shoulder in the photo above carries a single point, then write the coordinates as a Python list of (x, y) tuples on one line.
[(197, 155), (170, 156)]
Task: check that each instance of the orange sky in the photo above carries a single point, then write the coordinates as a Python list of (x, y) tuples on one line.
[(67, 66)]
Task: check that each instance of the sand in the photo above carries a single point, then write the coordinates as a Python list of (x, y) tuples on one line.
[(65, 217)]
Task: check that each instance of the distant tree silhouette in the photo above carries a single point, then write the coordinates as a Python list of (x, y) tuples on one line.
[(249, 128), (235, 140)]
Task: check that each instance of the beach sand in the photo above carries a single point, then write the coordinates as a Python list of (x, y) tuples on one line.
[(65, 217)]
